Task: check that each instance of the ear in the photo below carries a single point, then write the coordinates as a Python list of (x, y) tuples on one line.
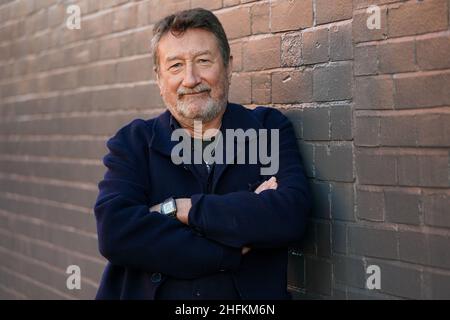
[(230, 68), (158, 79)]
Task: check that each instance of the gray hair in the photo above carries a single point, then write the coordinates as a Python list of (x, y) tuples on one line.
[(181, 21)]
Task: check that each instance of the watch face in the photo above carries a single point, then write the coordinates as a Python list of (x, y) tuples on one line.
[(168, 207)]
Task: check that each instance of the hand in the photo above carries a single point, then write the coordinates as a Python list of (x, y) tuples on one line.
[(270, 184), (183, 207)]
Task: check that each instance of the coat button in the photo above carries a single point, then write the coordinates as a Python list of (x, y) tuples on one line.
[(156, 277)]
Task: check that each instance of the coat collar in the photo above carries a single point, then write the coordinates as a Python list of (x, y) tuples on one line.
[(235, 117)]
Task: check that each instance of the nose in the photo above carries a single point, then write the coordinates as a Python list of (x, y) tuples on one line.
[(191, 78)]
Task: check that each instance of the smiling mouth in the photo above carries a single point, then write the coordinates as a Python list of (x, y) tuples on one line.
[(195, 93)]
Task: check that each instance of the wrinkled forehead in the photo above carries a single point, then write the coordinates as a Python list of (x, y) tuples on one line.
[(191, 43)]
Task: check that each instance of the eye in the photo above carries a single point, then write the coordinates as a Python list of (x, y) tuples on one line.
[(203, 60), (175, 66)]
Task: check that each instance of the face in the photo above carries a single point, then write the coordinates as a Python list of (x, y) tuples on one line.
[(192, 78)]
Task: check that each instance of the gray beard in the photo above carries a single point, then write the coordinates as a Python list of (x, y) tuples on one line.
[(210, 111)]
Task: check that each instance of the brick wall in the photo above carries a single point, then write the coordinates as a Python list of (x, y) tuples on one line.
[(370, 107)]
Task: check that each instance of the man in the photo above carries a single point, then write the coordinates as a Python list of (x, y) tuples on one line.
[(197, 230)]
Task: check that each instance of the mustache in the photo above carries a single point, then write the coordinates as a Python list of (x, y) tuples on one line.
[(200, 88)]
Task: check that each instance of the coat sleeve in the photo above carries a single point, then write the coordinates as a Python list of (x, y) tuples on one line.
[(130, 235), (273, 218)]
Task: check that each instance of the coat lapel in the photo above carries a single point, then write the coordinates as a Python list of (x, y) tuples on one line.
[(235, 117)]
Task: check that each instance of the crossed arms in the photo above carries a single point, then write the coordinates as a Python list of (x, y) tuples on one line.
[(213, 233)]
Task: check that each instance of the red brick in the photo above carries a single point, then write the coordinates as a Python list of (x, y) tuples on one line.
[(261, 54), (329, 11), (291, 15), (229, 3), (236, 52), (433, 130), (260, 18), (125, 18), (433, 53), (396, 57), (291, 86), (358, 4), (228, 19), (422, 90), (374, 93), (315, 46), (140, 69), (423, 170), (360, 31), (418, 17), (398, 131), (206, 4), (366, 60), (261, 88), (241, 89)]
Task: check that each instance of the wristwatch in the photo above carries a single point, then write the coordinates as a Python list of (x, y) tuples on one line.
[(169, 207)]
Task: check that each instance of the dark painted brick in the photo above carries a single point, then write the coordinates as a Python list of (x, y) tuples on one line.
[(339, 237), (318, 276), (436, 209), (399, 280), (341, 122), (333, 82), (372, 242), (296, 270), (342, 201), (367, 131), (402, 207), (349, 271), (323, 238), (423, 170), (307, 154), (438, 285), (334, 162), (316, 123), (341, 45), (370, 205), (372, 168), (321, 202)]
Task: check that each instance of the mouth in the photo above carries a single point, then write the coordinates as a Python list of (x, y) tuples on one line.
[(195, 93)]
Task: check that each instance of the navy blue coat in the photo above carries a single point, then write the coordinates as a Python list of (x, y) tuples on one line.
[(144, 247)]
